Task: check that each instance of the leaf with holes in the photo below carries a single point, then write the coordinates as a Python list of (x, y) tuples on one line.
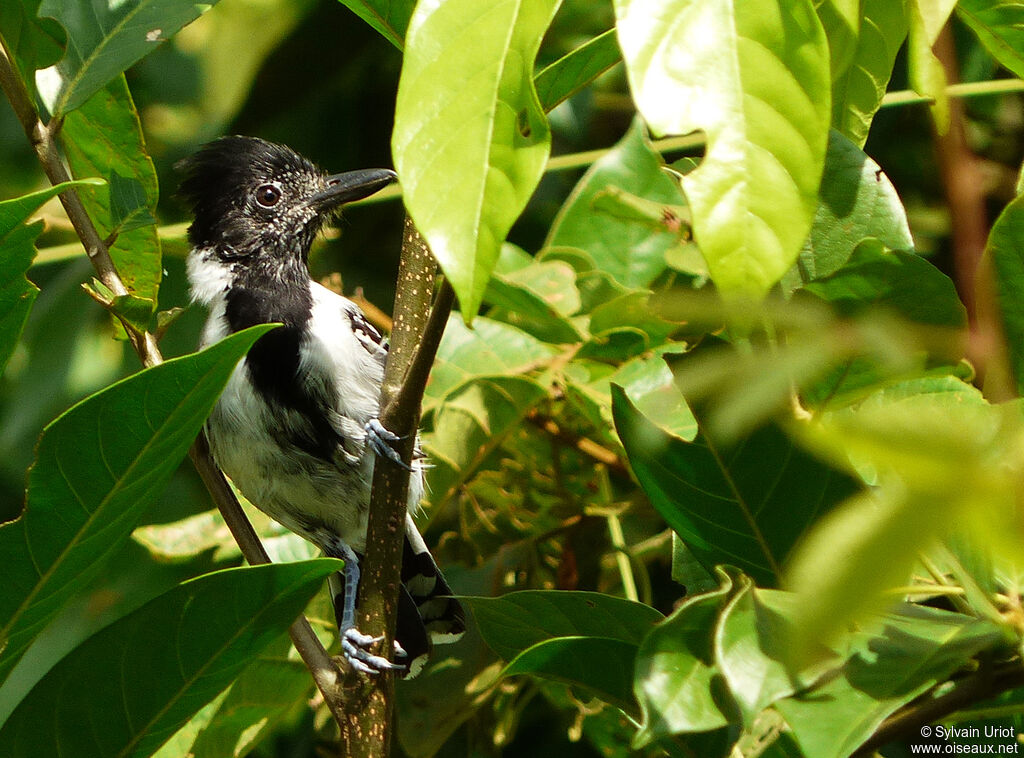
[(97, 469), (754, 75)]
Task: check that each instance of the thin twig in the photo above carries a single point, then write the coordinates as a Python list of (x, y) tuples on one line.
[(43, 138)]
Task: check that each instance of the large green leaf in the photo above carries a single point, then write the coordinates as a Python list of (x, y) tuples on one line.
[(97, 469), (858, 88), (104, 138), (538, 298), (130, 687), (856, 201), (33, 42), (470, 139), (1005, 250), (515, 622), (746, 503), (17, 248), (104, 39), (927, 75), (754, 75), (625, 248), (999, 27), (915, 649)]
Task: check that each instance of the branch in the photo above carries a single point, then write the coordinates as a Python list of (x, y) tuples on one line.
[(367, 728), (907, 723), (43, 138)]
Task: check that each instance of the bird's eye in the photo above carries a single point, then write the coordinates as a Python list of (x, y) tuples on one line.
[(268, 195)]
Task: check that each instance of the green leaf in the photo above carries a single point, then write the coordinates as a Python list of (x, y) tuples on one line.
[(104, 39), (915, 649), (97, 469), (33, 42), (129, 206), (927, 75), (471, 423), (489, 348), (515, 622), (470, 139), (624, 248), (856, 201), (198, 638), (1005, 250), (841, 20), (678, 683), (574, 71), (602, 665), (857, 90), (17, 249), (389, 17), (538, 299), (905, 283), (754, 75), (104, 137), (998, 26), (746, 503)]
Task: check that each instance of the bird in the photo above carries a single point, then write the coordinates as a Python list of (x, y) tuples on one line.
[(296, 427)]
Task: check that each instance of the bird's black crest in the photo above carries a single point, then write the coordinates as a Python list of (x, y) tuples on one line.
[(220, 174)]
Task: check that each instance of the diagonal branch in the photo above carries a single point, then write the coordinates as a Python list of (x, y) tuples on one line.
[(43, 137)]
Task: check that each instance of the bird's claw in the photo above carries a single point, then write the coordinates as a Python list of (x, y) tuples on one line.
[(354, 645), (383, 442)]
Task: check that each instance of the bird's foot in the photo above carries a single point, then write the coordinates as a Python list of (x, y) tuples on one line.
[(383, 442), (355, 644)]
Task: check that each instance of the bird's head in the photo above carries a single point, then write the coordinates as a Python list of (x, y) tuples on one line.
[(252, 198)]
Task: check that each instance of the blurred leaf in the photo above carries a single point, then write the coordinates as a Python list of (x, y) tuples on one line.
[(903, 282), (199, 637), (998, 26), (104, 39), (471, 423), (97, 469), (104, 138), (858, 88), (915, 649), (574, 71), (1005, 250), (17, 249), (754, 75), (538, 299), (716, 496), (389, 17), (678, 683), (927, 76), (465, 188), (515, 622), (489, 348), (938, 452), (602, 665), (623, 248), (856, 201)]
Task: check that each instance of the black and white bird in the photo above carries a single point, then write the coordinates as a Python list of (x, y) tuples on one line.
[(296, 427)]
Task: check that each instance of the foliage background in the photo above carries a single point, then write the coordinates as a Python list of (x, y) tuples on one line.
[(540, 515)]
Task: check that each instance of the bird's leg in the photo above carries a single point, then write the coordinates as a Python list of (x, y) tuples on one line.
[(354, 644), (383, 442)]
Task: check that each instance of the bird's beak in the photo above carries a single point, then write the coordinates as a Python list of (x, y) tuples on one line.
[(350, 186)]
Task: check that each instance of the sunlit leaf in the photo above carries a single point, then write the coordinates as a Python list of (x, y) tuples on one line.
[(754, 76), (1004, 250), (927, 75), (471, 139), (389, 17), (572, 72), (998, 26)]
